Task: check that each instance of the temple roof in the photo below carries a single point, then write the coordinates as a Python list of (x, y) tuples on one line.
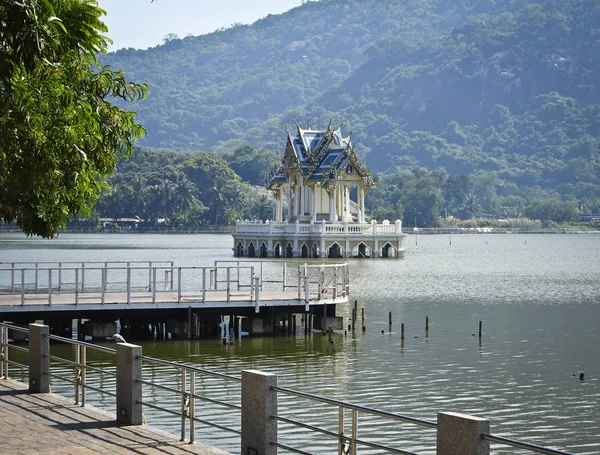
[(320, 156)]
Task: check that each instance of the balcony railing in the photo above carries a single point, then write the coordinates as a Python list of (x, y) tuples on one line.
[(319, 228)]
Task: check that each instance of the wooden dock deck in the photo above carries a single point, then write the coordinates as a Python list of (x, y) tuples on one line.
[(47, 424)]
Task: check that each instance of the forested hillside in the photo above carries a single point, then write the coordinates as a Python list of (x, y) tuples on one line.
[(473, 107)]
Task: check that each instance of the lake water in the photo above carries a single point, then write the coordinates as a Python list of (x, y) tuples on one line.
[(538, 297)]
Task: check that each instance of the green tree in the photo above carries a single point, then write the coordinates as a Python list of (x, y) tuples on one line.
[(60, 135)]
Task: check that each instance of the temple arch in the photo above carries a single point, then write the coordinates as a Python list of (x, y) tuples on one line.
[(304, 251), (335, 251), (388, 251), (251, 250), (278, 251), (239, 249), (263, 250), (289, 251)]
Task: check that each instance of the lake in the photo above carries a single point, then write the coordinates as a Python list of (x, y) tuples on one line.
[(538, 297)]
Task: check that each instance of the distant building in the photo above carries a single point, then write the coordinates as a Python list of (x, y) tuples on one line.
[(322, 184)]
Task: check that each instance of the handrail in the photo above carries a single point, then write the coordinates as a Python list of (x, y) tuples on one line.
[(187, 397), (524, 445)]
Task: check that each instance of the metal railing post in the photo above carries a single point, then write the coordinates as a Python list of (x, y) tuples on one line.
[(179, 284), (203, 284), (259, 412), (83, 365), (12, 277), (22, 287), (153, 284), (299, 283), (341, 438), (76, 286), (284, 274), (172, 271), (192, 401), (335, 269), (256, 296), (60, 276), (354, 432), (39, 358), (103, 284), (183, 403), (36, 278), (4, 351), (306, 294), (128, 284), (49, 286), (77, 371), (229, 284)]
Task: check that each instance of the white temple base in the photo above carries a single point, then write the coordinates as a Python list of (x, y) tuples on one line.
[(318, 240)]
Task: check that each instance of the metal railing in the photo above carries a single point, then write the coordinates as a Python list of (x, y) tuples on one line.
[(127, 283), (33, 275), (185, 397)]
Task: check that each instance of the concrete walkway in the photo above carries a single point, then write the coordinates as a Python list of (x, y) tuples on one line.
[(48, 424)]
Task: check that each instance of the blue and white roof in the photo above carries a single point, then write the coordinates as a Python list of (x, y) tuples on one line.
[(319, 156)]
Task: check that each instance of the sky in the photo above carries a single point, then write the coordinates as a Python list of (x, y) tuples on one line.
[(142, 23)]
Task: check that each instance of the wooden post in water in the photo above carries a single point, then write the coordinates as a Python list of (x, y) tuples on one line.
[(426, 326), (353, 319), (479, 329), (402, 331), (364, 328), (390, 322), (330, 334)]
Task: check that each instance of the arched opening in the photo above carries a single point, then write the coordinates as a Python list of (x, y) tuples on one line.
[(239, 249), (289, 251), (278, 251), (388, 251), (304, 251), (251, 250), (363, 251), (315, 250), (335, 251), (263, 250)]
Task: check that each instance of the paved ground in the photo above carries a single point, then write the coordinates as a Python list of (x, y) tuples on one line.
[(47, 424)]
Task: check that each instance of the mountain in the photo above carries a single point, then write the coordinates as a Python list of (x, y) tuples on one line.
[(225, 85), (507, 88)]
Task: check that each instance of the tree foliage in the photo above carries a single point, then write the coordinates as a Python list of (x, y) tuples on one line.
[(60, 133)]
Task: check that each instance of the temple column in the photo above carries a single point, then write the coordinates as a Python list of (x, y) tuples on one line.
[(289, 214), (332, 201), (278, 214), (297, 199), (302, 196), (313, 208), (361, 204)]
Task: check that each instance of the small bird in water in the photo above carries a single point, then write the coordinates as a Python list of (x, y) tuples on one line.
[(118, 338)]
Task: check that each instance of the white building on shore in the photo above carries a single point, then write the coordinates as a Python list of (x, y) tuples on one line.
[(324, 185)]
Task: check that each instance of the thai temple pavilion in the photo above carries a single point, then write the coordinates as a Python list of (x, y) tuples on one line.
[(320, 191)]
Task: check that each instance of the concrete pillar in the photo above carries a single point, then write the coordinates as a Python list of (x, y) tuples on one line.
[(129, 386), (460, 434), (259, 404), (39, 358)]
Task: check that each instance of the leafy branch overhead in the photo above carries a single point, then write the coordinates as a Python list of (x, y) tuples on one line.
[(60, 134)]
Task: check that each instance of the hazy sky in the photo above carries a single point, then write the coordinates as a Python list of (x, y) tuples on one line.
[(142, 24)]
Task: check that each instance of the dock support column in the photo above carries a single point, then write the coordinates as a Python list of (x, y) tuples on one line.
[(259, 407), (129, 385), (460, 434), (39, 358)]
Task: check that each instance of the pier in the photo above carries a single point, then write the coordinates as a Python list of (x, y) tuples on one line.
[(161, 300)]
